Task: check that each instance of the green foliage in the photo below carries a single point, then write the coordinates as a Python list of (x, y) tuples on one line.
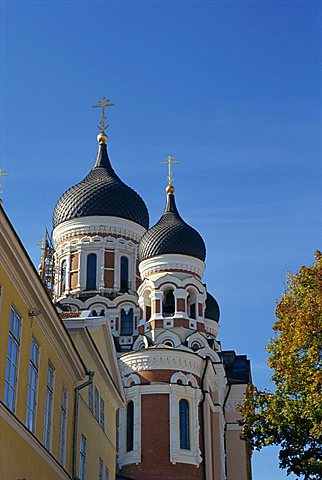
[(291, 417)]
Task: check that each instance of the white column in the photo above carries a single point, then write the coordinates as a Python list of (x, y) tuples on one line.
[(100, 267), (116, 268)]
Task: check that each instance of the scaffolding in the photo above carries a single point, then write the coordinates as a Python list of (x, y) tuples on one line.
[(46, 267)]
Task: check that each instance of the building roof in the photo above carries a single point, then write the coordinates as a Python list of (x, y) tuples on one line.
[(171, 234), (101, 193), (212, 310)]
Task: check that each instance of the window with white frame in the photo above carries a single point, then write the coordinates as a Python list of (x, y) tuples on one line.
[(32, 386), (82, 458), (102, 413), (184, 424), (10, 384), (97, 404), (100, 469), (124, 283), (63, 425), (126, 322), (91, 270), (49, 407)]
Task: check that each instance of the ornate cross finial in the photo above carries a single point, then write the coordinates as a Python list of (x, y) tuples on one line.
[(170, 161), (3, 173), (102, 104)]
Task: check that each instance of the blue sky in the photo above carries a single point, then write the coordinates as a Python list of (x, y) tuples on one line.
[(232, 89)]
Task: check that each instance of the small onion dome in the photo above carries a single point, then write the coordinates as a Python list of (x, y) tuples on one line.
[(171, 234), (212, 308), (101, 193)]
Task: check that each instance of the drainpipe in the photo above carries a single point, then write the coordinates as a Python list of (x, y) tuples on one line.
[(75, 426), (203, 416)]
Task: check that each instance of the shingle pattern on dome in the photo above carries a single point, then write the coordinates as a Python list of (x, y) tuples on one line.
[(101, 193), (212, 310), (171, 234)]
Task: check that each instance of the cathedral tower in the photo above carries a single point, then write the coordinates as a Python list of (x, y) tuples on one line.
[(180, 417)]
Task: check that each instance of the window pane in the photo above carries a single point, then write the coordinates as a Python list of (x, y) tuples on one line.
[(32, 385), (129, 426), (124, 274), (127, 322), (91, 272), (184, 424), (12, 360)]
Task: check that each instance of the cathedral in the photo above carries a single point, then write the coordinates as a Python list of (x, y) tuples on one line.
[(110, 365), (180, 417)]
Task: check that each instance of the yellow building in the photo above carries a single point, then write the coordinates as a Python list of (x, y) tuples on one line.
[(57, 418)]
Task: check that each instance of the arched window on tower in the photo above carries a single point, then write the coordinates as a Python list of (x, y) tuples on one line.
[(124, 274), (192, 303), (168, 303), (129, 426), (63, 274), (91, 271), (127, 322), (184, 426)]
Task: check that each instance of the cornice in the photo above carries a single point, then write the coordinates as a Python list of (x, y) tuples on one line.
[(97, 225), (160, 359), (171, 262)]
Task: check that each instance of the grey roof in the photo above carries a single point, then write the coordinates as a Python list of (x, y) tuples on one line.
[(101, 193), (212, 308), (171, 234)]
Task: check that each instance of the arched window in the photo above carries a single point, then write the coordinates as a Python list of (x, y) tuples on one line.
[(91, 272), (129, 426), (168, 303), (127, 322), (63, 273), (192, 302), (184, 424), (124, 274)]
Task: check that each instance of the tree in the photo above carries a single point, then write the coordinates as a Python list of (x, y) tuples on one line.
[(291, 417)]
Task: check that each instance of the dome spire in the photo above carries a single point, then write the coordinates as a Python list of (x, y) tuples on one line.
[(170, 161), (103, 103)]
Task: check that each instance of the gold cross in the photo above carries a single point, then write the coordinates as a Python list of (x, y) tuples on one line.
[(170, 161), (102, 104), (2, 174)]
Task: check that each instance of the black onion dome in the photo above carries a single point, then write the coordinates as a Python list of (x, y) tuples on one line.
[(101, 193), (212, 308), (171, 234)]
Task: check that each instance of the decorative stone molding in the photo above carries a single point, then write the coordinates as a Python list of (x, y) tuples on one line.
[(134, 456), (168, 336), (172, 262), (95, 225), (161, 359), (193, 396), (131, 380)]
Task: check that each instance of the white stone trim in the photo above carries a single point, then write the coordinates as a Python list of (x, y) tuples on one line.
[(171, 261), (161, 359), (193, 396), (124, 457), (27, 436), (168, 335), (95, 225)]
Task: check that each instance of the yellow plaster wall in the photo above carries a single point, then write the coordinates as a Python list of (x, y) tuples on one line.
[(31, 327), (99, 443)]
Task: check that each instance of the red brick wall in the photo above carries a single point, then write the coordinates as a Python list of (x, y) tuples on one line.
[(155, 460)]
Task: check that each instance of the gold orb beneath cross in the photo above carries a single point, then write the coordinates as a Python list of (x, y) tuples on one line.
[(170, 189), (102, 137)]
